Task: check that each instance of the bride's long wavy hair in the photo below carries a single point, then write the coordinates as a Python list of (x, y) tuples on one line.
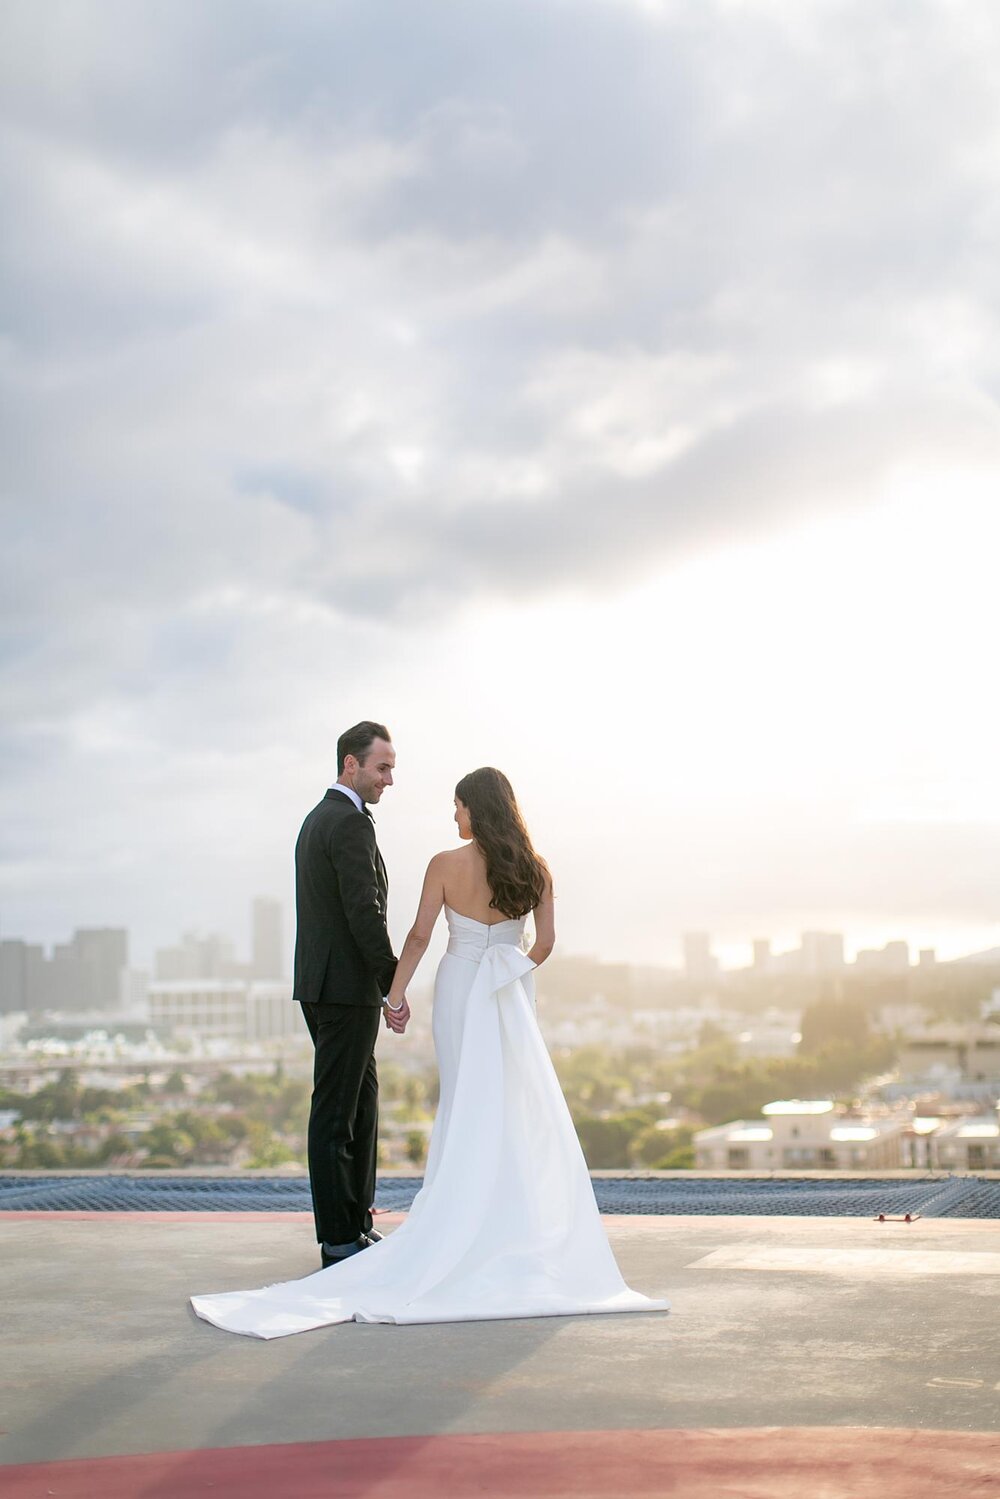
[(515, 874)]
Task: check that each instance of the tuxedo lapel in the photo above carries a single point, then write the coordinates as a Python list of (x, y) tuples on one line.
[(381, 866), (341, 796), (378, 853)]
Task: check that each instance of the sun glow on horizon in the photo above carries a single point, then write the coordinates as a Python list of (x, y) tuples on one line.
[(750, 713)]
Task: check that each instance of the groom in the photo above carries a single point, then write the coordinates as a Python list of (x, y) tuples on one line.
[(344, 965)]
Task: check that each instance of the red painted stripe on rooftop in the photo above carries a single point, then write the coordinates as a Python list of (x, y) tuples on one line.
[(742, 1463)]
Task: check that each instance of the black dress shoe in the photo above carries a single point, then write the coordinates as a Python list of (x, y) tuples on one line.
[(343, 1252)]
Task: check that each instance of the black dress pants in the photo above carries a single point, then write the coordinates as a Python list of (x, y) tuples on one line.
[(343, 1119)]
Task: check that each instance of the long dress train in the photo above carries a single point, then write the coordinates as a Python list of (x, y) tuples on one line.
[(505, 1224)]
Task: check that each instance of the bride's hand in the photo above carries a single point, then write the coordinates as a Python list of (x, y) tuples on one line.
[(396, 1019)]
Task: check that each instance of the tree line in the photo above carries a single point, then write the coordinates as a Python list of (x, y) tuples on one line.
[(631, 1108)]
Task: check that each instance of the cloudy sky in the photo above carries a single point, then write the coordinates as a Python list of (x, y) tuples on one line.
[(603, 389)]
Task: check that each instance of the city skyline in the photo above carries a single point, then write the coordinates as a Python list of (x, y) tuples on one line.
[(100, 959), (639, 439)]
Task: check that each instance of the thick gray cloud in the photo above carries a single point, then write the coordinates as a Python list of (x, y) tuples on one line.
[(325, 318)]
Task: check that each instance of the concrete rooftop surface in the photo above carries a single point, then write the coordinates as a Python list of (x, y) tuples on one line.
[(814, 1357)]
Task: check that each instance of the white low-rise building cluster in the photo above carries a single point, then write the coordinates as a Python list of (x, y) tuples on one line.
[(225, 1009), (813, 1135), (971, 1144)]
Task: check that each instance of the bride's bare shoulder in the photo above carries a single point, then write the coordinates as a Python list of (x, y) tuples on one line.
[(449, 860)]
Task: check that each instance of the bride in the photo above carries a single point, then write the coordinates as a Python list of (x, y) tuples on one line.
[(505, 1224)]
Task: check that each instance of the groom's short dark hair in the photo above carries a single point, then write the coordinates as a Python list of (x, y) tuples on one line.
[(359, 740)]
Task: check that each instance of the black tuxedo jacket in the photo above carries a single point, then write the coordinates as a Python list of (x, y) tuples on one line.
[(343, 955)]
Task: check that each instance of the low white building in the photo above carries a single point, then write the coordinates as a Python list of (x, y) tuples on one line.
[(133, 986), (224, 1009), (740, 1146), (802, 1135), (200, 1007), (970, 1049), (971, 1144), (270, 1011)]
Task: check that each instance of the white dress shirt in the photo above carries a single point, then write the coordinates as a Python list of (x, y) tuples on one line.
[(349, 791)]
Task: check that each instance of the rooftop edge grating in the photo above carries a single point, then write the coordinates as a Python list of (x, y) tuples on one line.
[(931, 1197)]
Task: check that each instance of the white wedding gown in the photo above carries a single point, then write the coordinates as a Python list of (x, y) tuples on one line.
[(505, 1224)]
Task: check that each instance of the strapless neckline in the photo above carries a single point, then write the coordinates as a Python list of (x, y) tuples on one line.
[(487, 925)]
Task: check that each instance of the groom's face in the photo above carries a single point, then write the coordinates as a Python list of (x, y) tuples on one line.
[(374, 772)]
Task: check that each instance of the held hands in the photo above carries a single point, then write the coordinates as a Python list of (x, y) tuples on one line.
[(396, 1019)]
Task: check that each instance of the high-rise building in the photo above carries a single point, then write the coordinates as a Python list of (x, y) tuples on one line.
[(103, 952), (266, 962), (66, 982), (699, 964), (21, 976), (822, 952), (85, 972), (761, 954), (897, 956), (13, 990), (894, 957), (196, 957)]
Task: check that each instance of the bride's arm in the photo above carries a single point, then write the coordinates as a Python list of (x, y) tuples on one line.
[(419, 935), (545, 925)]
